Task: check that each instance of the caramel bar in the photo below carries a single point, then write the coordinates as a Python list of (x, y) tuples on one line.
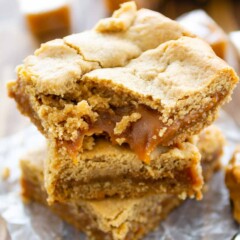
[(138, 78), (104, 170)]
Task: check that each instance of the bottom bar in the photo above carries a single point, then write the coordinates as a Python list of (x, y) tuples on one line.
[(114, 218)]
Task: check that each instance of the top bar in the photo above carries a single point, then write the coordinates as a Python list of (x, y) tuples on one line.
[(138, 78)]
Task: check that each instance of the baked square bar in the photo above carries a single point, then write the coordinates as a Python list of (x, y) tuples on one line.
[(138, 78), (232, 180), (113, 218), (106, 170)]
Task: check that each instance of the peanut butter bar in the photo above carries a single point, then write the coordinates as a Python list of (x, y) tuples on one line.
[(232, 180), (105, 170), (108, 170), (138, 78), (115, 218)]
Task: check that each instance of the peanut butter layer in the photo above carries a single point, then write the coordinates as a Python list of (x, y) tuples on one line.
[(136, 60), (232, 180), (116, 218), (107, 170)]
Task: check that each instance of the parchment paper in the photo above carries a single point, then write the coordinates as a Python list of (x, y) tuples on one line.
[(208, 219)]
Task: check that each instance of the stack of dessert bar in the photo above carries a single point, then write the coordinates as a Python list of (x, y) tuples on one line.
[(121, 107)]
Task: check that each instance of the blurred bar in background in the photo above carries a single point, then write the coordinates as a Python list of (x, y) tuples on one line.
[(114, 4), (224, 12), (200, 23), (46, 19)]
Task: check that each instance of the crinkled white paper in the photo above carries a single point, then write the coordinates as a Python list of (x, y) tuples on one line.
[(208, 219)]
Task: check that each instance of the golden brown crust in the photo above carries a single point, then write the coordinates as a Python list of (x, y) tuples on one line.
[(232, 180)]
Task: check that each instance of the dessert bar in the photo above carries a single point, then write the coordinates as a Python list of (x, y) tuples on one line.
[(108, 170), (105, 170), (138, 78)]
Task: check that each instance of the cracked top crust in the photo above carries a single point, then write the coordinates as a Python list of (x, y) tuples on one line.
[(55, 66), (173, 71), (59, 64), (166, 66)]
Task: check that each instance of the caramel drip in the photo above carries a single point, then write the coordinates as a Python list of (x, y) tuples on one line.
[(72, 147), (144, 135)]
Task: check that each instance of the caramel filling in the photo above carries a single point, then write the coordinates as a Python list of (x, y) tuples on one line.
[(142, 136)]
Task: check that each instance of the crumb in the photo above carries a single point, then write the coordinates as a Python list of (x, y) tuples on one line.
[(5, 173), (170, 122), (150, 171), (120, 141), (162, 131), (183, 195), (125, 122)]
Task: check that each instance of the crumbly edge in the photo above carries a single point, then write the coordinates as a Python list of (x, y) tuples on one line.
[(51, 113), (63, 118)]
